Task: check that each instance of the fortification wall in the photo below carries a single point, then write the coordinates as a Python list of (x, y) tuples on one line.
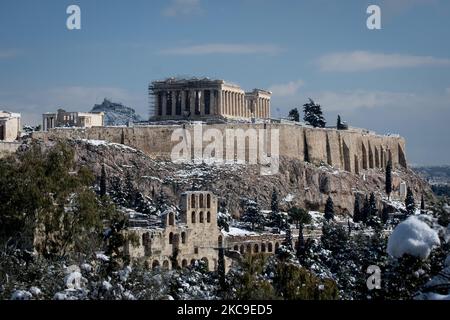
[(8, 148), (350, 150)]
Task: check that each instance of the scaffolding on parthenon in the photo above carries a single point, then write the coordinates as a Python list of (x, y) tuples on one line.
[(151, 101)]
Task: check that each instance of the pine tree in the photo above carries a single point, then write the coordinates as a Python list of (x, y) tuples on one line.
[(329, 209), (410, 202), (388, 186), (252, 215), (357, 210), (313, 114), (422, 204), (299, 216), (294, 115), (223, 218), (103, 181)]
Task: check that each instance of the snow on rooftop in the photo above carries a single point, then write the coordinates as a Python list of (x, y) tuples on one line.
[(414, 237), (239, 232)]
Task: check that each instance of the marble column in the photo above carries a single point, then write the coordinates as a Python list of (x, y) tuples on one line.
[(164, 103), (202, 102), (219, 102), (192, 102), (183, 101), (174, 102), (212, 103), (225, 110)]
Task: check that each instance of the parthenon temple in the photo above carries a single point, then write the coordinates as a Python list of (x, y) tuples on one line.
[(205, 98)]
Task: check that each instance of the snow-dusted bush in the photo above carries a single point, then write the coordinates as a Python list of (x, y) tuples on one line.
[(413, 237)]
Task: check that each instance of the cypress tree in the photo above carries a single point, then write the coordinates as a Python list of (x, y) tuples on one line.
[(329, 209), (373, 211), (388, 186), (274, 204), (422, 204), (221, 269), (288, 238), (410, 202), (365, 211)]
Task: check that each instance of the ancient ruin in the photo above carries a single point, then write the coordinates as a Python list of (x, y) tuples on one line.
[(63, 118), (195, 235), (9, 126), (196, 99)]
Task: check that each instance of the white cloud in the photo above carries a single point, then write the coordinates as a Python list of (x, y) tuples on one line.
[(287, 89), (395, 7), (182, 8), (365, 61), (8, 53), (224, 48), (363, 99)]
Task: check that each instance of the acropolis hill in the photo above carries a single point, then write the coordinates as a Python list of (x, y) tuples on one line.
[(313, 162), (349, 150), (221, 105)]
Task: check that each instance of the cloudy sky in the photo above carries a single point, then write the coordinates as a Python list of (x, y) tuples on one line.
[(393, 80)]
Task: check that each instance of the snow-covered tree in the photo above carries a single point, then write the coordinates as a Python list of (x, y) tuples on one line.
[(223, 216), (294, 115), (313, 114), (252, 214)]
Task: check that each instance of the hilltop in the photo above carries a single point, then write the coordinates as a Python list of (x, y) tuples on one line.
[(116, 114)]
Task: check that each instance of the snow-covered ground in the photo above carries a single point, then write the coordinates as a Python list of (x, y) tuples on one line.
[(98, 143)]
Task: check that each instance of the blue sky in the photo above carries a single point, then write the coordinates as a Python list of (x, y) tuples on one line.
[(393, 80)]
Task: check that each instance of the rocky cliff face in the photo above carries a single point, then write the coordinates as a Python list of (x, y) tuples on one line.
[(116, 114), (297, 183)]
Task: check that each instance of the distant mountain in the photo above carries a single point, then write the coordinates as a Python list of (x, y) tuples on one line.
[(116, 114)]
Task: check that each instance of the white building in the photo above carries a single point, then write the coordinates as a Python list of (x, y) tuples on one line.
[(63, 118), (9, 126)]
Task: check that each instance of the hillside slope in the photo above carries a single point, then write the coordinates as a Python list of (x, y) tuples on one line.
[(297, 183)]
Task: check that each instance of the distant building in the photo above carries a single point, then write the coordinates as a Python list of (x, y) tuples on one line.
[(63, 118), (197, 99), (9, 126)]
